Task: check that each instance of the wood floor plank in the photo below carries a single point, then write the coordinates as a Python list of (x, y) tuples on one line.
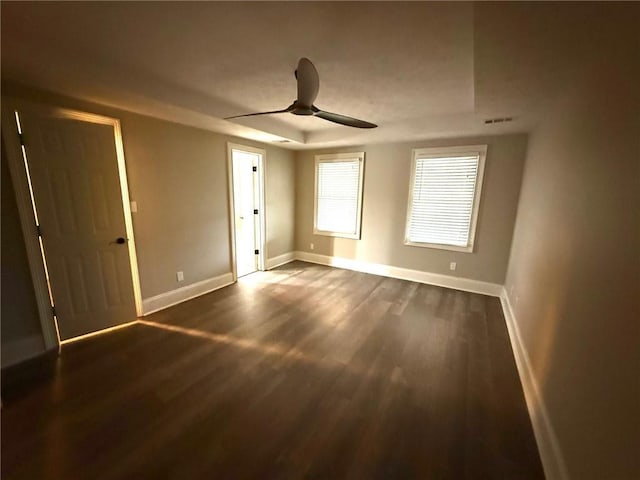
[(305, 371)]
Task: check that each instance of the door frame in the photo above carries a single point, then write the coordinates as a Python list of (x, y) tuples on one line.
[(21, 185), (262, 247)]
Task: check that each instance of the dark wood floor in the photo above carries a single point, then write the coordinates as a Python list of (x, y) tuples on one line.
[(302, 372)]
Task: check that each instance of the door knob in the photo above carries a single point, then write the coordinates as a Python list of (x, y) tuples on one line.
[(120, 240)]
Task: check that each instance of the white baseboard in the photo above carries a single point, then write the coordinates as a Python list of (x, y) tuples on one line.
[(280, 260), (179, 295), (550, 453), (21, 350), (448, 281)]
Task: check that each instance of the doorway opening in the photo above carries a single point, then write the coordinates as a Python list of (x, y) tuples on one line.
[(246, 187)]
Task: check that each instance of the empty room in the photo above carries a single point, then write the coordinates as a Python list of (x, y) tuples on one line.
[(320, 240)]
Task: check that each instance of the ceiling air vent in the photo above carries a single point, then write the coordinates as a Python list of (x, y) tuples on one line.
[(498, 120), (281, 141)]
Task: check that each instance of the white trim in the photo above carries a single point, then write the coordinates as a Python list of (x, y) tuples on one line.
[(448, 281), (262, 206), (339, 157), (128, 220), (280, 260), (232, 216), (179, 295), (27, 222), (22, 349), (550, 452), (481, 152), (262, 216)]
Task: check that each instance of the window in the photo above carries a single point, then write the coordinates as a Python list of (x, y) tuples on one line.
[(338, 194), (443, 197)]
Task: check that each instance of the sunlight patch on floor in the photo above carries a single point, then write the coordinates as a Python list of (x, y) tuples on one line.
[(97, 333), (269, 349)]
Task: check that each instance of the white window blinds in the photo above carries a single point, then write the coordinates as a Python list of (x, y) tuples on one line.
[(444, 196), (338, 195)]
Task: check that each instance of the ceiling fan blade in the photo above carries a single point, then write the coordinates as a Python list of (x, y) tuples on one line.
[(288, 109), (308, 82), (343, 119)]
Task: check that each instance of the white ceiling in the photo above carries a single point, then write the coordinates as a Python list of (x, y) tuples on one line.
[(418, 70)]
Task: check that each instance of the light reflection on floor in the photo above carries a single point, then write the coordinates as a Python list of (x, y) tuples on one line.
[(229, 340)]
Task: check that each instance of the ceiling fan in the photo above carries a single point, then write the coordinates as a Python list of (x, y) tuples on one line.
[(308, 86)]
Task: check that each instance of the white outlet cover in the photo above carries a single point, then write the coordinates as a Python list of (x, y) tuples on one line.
[(311, 246), (452, 266), (180, 276), (134, 207)]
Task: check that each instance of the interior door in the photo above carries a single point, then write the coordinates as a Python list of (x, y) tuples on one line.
[(245, 198), (73, 167)]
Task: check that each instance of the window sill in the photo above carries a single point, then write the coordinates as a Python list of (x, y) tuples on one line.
[(440, 246), (324, 233)]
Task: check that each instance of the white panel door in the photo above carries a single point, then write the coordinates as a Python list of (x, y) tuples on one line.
[(76, 188), (245, 198)]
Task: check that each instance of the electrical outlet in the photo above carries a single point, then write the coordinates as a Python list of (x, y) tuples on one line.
[(453, 265), (180, 276), (134, 206), (311, 246)]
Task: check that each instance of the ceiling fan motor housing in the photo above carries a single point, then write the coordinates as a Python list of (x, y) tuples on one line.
[(301, 109)]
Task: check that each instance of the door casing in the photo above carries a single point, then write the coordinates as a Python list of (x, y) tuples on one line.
[(15, 160), (261, 207)]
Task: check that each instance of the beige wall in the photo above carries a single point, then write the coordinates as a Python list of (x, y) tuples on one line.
[(386, 190), (280, 199), (178, 177), (574, 274)]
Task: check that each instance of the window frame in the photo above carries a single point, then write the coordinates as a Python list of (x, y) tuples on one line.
[(435, 152), (339, 157)]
